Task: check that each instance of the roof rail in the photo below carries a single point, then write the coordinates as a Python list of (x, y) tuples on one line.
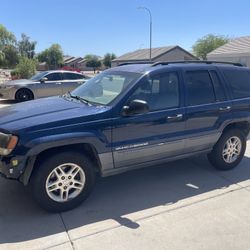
[(128, 63), (196, 61)]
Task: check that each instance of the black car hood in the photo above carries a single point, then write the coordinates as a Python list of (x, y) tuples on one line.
[(44, 111)]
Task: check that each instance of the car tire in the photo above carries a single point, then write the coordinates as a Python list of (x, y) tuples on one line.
[(72, 175), (23, 95), (229, 150)]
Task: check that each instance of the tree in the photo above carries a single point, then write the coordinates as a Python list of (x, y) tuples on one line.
[(6, 37), (53, 56), (93, 62), (108, 58), (26, 67), (2, 57), (43, 56), (26, 47), (208, 43), (10, 56)]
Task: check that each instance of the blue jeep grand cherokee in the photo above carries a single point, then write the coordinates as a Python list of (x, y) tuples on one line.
[(127, 117)]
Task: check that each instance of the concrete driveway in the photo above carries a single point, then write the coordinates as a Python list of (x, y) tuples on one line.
[(185, 204)]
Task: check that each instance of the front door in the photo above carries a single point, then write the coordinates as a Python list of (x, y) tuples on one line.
[(71, 81), (51, 87), (157, 134)]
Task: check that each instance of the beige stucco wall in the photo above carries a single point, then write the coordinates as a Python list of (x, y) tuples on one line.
[(175, 55), (117, 63), (244, 60)]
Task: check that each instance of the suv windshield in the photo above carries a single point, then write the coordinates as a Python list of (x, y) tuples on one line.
[(105, 87), (38, 76)]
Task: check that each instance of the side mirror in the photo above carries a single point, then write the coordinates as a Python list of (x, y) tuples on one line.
[(44, 79), (135, 107)]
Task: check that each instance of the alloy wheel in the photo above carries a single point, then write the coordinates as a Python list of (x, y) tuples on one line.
[(232, 149), (65, 182)]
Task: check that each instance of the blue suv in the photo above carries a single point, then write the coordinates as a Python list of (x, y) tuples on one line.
[(125, 118)]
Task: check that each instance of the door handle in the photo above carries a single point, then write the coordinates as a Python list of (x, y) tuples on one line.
[(58, 83), (228, 108), (175, 117)]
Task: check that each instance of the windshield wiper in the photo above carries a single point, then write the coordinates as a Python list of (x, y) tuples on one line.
[(80, 98)]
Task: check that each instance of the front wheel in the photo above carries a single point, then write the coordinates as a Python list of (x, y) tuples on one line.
[(63, 181), (229, 150), (23, 95)]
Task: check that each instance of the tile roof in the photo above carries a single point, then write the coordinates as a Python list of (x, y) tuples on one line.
[(239, 45), (66, 58), (73, 59), (82, 61), (143, 54)]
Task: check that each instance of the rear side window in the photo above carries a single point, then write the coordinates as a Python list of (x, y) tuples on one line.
[(239, 81), (199, 88), (71, 76), (218, 87), (78, 76)]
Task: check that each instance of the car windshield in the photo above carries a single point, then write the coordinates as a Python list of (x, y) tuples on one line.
[(38, 76), (105, 87)]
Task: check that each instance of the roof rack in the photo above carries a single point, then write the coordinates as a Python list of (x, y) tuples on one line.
[(128, 63), (196, 61)]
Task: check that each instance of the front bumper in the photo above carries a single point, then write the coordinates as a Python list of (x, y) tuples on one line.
[(9, 167), (7, 93)]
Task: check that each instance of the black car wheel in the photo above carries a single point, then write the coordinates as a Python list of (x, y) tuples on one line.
[(229, 150), (24, 95), (62, 181)]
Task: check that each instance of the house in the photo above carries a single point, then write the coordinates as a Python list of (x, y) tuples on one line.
[(82, 65), (43, 66), (79, 63), (67, 58), (169, 53), (237, 50), (72, 61)]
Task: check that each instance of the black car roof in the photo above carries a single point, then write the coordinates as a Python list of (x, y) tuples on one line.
[(148, 67)]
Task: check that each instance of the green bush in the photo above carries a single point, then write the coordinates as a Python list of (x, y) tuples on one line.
[(26, 67), (14, 74)]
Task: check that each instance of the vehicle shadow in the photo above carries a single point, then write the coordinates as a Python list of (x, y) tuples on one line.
[(7, 102), (114, 199)]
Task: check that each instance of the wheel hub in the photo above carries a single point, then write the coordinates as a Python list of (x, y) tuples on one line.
[(232, 149), (65, 182)]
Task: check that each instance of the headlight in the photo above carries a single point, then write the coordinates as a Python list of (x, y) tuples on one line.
[(7, 143)]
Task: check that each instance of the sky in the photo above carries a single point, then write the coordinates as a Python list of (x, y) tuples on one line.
[(96, 27)]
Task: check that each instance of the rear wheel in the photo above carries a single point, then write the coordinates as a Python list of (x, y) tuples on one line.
[(63, 181), (229, 150), (24, 95)]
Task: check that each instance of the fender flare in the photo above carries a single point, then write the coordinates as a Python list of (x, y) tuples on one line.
[(39, 145)]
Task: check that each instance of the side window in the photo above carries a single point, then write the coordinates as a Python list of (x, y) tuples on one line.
[(218, 87), (239, 81), (199, 88), (54, 77), (78, 76), (70, 76), (160, 92)]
